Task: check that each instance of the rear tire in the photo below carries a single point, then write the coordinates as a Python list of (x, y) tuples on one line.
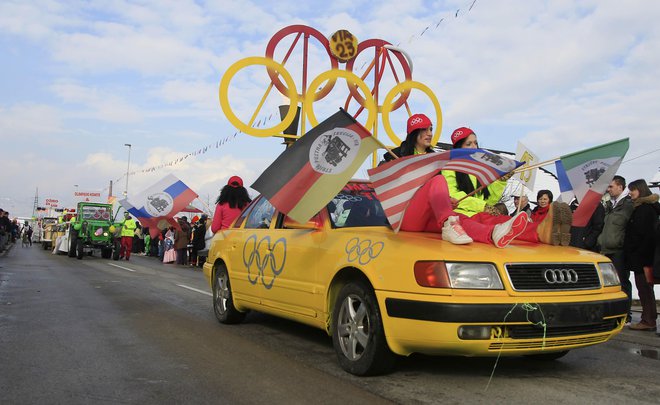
[(357, 332), (223, 299), (73, 238), (79, 249)]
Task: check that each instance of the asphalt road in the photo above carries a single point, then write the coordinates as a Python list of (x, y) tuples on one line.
[(100, 331)]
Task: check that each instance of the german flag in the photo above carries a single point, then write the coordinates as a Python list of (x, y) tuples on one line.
[(307, 175)]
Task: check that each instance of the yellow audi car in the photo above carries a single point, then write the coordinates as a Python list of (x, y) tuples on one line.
[(381, 294)]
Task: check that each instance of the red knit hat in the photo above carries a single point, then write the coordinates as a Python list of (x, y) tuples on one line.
[(460, 133), (417, 121), (235, 181)]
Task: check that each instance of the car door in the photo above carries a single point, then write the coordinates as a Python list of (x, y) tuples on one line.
[(291, 280), (248, 251)]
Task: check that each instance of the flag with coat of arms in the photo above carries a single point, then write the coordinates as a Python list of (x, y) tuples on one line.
[(308, 174), (156, 206), (587, 174)]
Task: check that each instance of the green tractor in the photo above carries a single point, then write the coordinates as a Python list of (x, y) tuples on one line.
[(93, 228)]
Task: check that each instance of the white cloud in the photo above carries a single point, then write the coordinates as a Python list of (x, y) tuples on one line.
[(98, 104), (29, 121)]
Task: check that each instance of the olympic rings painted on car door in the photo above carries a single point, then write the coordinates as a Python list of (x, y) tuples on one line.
[(256, 264), (363, 251)]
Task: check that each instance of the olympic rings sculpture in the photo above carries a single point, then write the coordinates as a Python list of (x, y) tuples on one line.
[(324, 82), (256, 265)]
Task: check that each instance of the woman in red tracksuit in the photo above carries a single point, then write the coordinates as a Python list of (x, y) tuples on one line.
[(432, 210)]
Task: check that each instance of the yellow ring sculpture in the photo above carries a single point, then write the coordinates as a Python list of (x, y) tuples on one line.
[(387, 108)]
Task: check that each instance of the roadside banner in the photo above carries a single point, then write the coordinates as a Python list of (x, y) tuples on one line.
[(308, 174), (87, 196)]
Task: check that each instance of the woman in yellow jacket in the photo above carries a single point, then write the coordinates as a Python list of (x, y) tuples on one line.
[(462, 184)]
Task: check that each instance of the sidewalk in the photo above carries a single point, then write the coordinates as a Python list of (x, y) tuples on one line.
[(635, 336)]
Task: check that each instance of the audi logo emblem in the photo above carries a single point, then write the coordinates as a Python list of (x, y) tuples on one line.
[(560, 276)]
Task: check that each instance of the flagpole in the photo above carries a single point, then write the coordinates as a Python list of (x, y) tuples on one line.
[(382, 145), (545, 163), (205, 205), (508, 174)]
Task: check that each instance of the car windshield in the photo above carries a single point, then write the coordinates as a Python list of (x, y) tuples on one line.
[(95, 213), (356, 205)]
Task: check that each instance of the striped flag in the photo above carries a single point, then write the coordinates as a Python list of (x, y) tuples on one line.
[(161, 201), (397, 181), (308, 174), (590, 172), (565, 188)]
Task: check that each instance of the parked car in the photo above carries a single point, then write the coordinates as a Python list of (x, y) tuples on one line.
[(382, 294)]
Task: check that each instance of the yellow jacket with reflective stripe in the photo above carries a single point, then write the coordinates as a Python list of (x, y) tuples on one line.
[(128, 227), (475, 203)]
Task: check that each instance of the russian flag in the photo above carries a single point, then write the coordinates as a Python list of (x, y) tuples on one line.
[(159, 203)]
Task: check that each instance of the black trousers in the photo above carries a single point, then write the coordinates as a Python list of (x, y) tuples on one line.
[(624, 275)]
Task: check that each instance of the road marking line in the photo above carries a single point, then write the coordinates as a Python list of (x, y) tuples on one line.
[(121, 267), (195, 289)]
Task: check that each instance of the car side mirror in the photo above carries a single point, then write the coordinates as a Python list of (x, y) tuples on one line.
[(312, 224)]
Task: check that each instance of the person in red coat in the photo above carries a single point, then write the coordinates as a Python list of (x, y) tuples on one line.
[(543, 199), (231, 201)]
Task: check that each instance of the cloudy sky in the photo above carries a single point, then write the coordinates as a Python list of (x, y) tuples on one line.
[(81, 79)]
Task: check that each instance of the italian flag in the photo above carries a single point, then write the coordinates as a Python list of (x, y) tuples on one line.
[(590, 172), (310, 173)]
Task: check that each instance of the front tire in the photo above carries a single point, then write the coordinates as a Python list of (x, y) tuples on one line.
[(116, 250), (106, 252), (357, 332), (223, 299)]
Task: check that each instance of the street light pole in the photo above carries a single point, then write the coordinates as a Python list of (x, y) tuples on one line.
[(128, 167)]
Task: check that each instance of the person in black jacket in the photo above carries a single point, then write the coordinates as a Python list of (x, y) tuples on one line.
[(586, 237), (639, 247), (198, 242)]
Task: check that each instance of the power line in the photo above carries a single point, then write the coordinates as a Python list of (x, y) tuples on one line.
[(637, 157)]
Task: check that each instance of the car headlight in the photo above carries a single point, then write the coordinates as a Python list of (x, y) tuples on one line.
[(482, 276), (609, 274)]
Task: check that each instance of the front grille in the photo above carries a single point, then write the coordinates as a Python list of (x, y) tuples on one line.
[(533, 276), (531, 331), (542, 343)]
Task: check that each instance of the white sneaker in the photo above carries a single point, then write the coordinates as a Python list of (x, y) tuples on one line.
[(453, 232), (504, 233)]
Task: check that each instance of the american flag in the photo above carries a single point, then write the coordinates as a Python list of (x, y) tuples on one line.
[(397, 181)]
